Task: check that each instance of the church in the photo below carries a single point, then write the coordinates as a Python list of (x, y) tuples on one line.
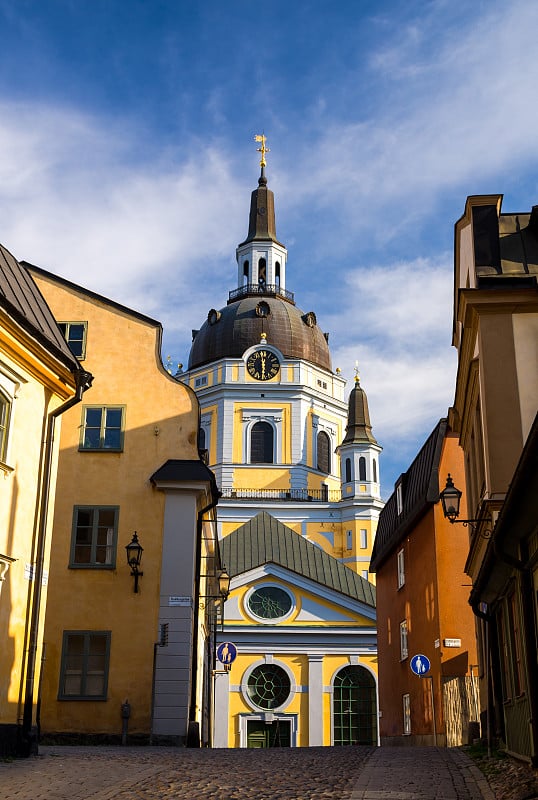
[(298, 471)]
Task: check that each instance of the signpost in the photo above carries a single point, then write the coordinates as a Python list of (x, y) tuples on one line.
[(226, 654), (420, 665)]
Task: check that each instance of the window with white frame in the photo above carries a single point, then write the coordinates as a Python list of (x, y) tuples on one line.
[(404, 649), (5, 414), (401, 568), (406, 703), (364, 538), (262, 436), (399, 498)]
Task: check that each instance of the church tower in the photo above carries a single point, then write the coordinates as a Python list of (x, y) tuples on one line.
[(296, 530)]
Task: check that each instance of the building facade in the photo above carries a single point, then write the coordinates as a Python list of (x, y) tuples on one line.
[(40, 379), (422, 608), (296, 464), (495, 406), (127, 645)]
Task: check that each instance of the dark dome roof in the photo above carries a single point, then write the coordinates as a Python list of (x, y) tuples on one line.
[(238, 326)]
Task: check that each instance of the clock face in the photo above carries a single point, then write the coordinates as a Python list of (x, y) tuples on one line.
[(263, 365)]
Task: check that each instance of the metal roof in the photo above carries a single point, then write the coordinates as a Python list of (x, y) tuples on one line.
[(420, 489), (265, 539), (22, 300)]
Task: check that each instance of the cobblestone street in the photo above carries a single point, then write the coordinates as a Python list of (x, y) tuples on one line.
[(347, 773)]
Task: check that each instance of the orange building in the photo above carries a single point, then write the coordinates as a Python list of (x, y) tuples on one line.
[(422, 609)]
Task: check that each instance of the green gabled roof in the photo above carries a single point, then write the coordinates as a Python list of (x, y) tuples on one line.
[(265, 540)]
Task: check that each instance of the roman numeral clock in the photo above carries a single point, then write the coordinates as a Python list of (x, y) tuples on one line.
[(263, 365)]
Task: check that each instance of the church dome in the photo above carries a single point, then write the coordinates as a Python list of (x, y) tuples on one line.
[(238, 326), (261, 304)]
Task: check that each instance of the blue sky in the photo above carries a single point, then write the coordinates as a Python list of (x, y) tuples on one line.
[(127, 161)]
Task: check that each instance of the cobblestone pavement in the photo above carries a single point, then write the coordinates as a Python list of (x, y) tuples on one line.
[(318, 773)]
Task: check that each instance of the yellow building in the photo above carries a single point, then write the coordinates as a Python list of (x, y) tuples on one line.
[(39, 380), (296, 464), (127, 647)]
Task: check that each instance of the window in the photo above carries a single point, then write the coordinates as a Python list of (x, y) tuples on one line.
[(348, 470), (93, 541), (406, 702), (277, 274), (261, 443), (5, 409), (401, 568), (270, 602), (374, 470), (349, 540), (268, 686), (324, 452), (102, 428), (262, 273), (364, 538), (75, 336), (245, 272), (364, 574), (362, 468), (201, 381), (201, 438), (404, 651), (399, 498), (84, 668)]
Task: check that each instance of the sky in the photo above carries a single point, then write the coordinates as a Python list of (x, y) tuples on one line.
[(127, 158)]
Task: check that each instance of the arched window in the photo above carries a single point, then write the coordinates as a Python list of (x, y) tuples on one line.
[(324, 453), (201, 439), (262, 273), (261, 443), (277, 274), (348, 470), (362, 468), (245, 272), (5, 407), (374, 468), (354, 707)]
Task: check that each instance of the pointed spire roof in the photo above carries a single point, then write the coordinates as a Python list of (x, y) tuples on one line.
[(358, 428), (261, 224)]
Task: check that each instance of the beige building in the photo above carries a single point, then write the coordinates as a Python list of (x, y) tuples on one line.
[(39, 380), (127, 647), (495, 406)]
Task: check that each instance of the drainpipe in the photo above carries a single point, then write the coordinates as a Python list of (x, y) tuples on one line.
[(193, 731), (83, 381)]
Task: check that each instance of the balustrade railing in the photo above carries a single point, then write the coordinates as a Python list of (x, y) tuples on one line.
[(292, 495), (262, 289)]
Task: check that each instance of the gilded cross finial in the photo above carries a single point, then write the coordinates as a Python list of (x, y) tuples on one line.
[(260, 137)]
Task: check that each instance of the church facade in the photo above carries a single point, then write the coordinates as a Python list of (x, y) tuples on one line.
[(298, 470)]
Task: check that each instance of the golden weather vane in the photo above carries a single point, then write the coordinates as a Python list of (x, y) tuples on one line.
[(260, 137), (357, 376)]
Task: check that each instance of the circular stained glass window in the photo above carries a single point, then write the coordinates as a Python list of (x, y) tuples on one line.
[(270, 602), (268, 686)]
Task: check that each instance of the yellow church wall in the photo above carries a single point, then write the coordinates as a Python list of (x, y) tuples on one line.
[(161, 422), (261, 478), (238, 432)]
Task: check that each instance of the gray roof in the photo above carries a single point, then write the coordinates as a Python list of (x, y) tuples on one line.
[(178, 470), (265, 540), (420, 490), (22, 300)]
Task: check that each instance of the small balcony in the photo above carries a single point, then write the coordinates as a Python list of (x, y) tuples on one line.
[(264, 289), (323, 495)]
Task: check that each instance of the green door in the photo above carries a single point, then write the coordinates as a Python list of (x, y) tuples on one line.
[(268, 734)]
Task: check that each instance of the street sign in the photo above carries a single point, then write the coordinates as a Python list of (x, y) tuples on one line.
[(226, 652), (420, 665)]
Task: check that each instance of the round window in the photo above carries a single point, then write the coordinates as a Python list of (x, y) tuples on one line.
[(268, 686), (269, 602)]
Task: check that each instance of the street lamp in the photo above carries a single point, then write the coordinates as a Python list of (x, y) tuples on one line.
[(450, 501), (224, 584), (134, 557)]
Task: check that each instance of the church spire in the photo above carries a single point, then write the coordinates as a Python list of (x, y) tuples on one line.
[(262, 225), (261, 258), (358, 429)]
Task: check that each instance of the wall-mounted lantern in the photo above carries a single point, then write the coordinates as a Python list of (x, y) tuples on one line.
[(134, 557)]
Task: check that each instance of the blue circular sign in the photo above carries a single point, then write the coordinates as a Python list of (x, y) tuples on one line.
[(420, 665), (226, 652)]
